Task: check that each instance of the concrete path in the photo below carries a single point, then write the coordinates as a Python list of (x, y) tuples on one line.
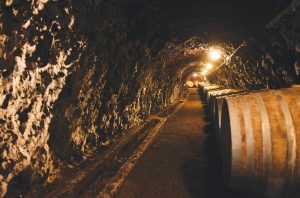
[(182, 160)]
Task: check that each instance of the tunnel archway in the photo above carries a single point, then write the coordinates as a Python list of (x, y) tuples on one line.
[(192, 74)]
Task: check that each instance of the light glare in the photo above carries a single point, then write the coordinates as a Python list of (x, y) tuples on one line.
[(208, 66), (214, 54), (204, 72)]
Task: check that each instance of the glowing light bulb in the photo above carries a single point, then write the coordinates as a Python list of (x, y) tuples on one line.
[(214, 54), (204, 72), (195, 75), (208, 66)]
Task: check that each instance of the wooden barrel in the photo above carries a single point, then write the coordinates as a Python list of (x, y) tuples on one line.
[(197, 83), (210, 88), (260, 136), (201, 88), (218, 103), (190, 84), (212, 94), (295, 86), (217, 114)]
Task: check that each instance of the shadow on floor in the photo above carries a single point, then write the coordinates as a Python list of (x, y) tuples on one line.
[(203, 175)]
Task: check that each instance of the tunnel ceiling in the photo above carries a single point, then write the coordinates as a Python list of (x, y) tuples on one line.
[(234, 19), (198, 25)]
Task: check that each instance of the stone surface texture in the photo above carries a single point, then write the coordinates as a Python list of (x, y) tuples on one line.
[(75, 74)]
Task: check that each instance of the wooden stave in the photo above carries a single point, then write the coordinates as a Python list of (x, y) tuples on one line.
[(218, 108), (212, 88), (218, 113), (209, 92), (215, 92), (268, 186), (218, 93), (202, 89)]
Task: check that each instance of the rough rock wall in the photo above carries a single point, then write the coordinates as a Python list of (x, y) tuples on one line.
[(268, 60), (73, 75)]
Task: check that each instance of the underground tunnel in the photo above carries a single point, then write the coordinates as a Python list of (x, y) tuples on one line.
[(139, 98)]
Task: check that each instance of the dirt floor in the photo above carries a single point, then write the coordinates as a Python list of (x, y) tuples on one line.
[(182, 160)]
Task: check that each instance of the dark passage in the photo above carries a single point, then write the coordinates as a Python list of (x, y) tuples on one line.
[(182, 160)]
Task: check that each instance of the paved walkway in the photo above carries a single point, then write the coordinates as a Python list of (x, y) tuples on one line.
[(182, 160)]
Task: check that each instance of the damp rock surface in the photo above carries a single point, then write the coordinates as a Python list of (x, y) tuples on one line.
[(75, 74)]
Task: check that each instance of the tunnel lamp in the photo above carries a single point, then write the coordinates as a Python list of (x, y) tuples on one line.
[(214, 54), (208, 66), (204, 72), (195, 75)]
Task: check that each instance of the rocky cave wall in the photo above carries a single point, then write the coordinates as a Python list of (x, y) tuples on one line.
[(267, 60), (73, 75)]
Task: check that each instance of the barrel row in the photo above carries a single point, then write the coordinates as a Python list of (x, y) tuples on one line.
[(258, 136)]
